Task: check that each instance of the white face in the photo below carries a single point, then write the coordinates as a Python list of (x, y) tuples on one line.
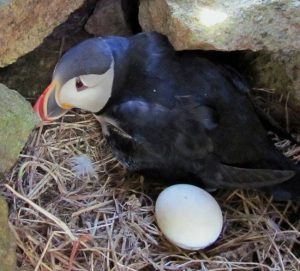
[(89, 92)]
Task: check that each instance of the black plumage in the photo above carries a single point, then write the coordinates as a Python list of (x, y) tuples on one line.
[(184, 118), (179, 117)]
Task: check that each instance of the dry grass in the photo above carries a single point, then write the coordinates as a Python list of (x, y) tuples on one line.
[(106, 221)]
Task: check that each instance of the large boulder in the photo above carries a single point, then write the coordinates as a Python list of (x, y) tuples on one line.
[(24, 24), (225, 25), (16, 122), (108, 18), (7, 242), (278, 71)]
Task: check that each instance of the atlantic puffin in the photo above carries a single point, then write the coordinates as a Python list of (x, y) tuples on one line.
[(170, 115)]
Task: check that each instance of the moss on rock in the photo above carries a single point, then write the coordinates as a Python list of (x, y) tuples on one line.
[(7, 242), (16, 122)]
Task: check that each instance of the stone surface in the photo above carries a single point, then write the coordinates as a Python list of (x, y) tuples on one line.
[(7, 242), (24, 24), (16, 122), (276, 76), (108, 19), (279, 72), (225, 25)]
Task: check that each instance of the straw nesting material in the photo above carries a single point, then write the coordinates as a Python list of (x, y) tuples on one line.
[(104, 220)]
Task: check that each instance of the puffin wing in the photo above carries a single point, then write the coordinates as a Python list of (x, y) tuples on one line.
[(235, 177), (167, 131), (181, 137), (220, 174)]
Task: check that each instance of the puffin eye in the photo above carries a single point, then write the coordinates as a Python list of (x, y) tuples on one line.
[(80, 85)]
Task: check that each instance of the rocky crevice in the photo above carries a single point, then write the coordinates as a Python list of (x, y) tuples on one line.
[(259, 38)]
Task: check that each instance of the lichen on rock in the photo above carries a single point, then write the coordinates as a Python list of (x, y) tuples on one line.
[(277, 71), (7, 242), (16, 122)]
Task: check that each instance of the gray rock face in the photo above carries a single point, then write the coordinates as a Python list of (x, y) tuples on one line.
[(108, 19), (7, 242), (225, 25), (16, 122), (279, 71), (24, 24)]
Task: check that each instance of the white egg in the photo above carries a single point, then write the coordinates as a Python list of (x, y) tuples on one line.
[(188, 216)]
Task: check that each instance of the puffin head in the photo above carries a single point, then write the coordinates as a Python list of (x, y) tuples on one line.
[(82, 78)]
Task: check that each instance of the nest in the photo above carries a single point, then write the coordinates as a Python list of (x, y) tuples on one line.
[(105, 221)]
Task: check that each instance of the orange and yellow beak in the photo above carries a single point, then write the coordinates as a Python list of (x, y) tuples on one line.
[(47, 107)]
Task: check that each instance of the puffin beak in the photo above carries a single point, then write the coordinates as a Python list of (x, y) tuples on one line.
[(46, 107)]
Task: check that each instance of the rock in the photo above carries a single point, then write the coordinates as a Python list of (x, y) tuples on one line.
[(16, 122), (24, 24), (276, 78), (108, 19), (131, 12), (277, 71), (7, 242), (272, 25)]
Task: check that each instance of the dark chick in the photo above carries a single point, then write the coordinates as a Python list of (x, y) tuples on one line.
[(170, 115)]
